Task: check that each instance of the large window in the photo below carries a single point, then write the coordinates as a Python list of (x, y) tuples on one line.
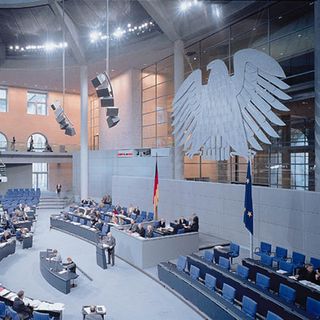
[(37, 142), (3, 100), (157, 95), (3, 142), (37, 103), (40, 176)]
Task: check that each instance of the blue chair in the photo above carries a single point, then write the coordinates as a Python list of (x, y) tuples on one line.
[(19, 235), (315, 262), (180, 231), (181, 263), (82, 221), (133, 216), (150, 216), (139, 219), (143, 215), (273, 316), (40, 316), (11, 313), (266, 260), (280, 254), (262, 281), (287, 293), (265, 248), (194, 272), (286, 266), (228, 292), (298, 260), (208, 255), (3, 310), (156, 224), (234, 251), (242, 271), (249, 307), (104, 230), (224, 263), (75, 219), (313, 307), (210, 281)]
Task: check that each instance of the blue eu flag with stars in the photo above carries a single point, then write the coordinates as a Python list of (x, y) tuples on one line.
[(248, 208)]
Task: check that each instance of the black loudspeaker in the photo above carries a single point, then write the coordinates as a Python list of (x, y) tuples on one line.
[(99, 80), (69, 131), (103, 92), (107, 102), (112, 121), (112, 112)]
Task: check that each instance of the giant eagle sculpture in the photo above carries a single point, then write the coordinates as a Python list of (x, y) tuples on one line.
[(230, 114)]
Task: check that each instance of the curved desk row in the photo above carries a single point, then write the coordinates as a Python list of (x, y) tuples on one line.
[(75, 228), (266, 301), (207, 301), (53, 309), (55, 274), (7, 248)]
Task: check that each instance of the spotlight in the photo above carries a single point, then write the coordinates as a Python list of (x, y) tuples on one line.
[(62, 119)]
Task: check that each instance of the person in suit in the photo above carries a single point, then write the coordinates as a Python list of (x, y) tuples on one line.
[(19, 306), (56, 256), (182, 221), (110, 242), (317, 277), (6, 236), (93, 315), (162, 223), (133, 226), (195, 221), (149, 232), (306, 273), (71, 267), (141, 230)]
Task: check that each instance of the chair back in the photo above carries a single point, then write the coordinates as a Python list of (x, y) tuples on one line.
[(224, 263), (242, 271), (181, 263), (287, 293), (208, 255), (262, 281), (180, 231), (313, 307), (2, 309), (266, 260), (265, 248), (298, 258), (40, 316), (281, 253), (228, 292), (273, 316), (143, 215), (249, 307), (13, 314), (210, 281), (286, 266), (150, 216), (82, 221), (315, 262), (194, 272), (234, 249)]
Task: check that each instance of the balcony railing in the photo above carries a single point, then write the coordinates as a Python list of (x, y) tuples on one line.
[(23, 147)]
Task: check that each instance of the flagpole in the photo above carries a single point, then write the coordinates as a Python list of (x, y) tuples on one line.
[(251, 236)]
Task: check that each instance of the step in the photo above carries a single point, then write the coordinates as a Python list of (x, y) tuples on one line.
[(50, 206)]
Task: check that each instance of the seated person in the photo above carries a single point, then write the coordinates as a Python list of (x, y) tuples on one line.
[(195, 221), (149, 232), (136, 211), (23, 311), (70, 265), (306, 273), (317, 277), (162, 223), (56, 256), (5, 236), (98, 225), (114, 219), (133, 226), (130, 209), (115, 211), (93, 315), (141, 230)]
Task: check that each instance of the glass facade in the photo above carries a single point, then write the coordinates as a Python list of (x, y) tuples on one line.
[(37, 103), (284, 30), (3, 100), (40, 176), (157, 96)]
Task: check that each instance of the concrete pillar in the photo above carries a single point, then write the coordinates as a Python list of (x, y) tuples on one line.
[(178, 71), (84, 154), (317, 91)]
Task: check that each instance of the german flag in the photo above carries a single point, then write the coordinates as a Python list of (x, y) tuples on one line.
[(156, 192)]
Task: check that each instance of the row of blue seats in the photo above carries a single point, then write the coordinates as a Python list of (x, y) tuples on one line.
[(281, 254), (285, 292), (7, 312), (248, 305)]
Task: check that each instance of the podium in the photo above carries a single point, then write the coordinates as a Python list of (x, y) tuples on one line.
[(101, 256), (27, 242)]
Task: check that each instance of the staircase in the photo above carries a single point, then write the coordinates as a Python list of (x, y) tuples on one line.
[(50, 200)]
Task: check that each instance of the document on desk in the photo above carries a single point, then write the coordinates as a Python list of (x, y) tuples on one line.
[(3, 292), (310, 284), (2, 245), (46, 306), (101, 309), (218, 247), (281, 271), (62, 271), (11, 296)]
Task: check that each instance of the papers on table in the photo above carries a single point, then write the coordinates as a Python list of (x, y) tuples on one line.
[(218, 247), (11, 296), (62, 271), (3, 244), (99, 309), (76, 223), (293, 277), (281, 271), (3, 292), (47, 306), (310, 284)]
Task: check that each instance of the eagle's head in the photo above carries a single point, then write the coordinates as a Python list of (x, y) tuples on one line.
[(217, 66)]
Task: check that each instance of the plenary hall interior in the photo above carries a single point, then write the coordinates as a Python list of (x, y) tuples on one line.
[(159, 159)]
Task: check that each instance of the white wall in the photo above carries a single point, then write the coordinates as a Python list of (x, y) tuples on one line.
[(105, 164), (127, 96), (287, 218), (19, 176)]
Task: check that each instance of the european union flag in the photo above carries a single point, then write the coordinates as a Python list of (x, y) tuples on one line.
[(248, 208)]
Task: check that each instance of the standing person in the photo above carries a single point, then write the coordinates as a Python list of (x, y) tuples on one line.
[(110, 242), (58, 189), (31, 147), (13, 144)]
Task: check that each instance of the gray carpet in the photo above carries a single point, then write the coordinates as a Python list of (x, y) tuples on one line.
[(126, 292)]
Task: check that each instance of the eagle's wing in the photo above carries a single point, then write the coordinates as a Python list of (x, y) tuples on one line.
[(258, 89), (186, 112)]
